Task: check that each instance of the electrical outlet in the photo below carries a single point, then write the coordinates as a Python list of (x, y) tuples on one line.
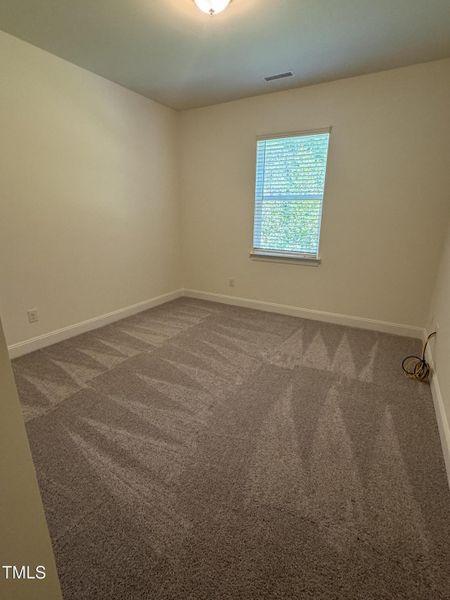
[(231, 282), (33, 316)]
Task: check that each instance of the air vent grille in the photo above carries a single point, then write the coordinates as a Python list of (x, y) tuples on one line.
[(279, 76)]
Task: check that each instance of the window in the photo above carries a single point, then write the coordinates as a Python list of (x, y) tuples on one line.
[(290, 182)]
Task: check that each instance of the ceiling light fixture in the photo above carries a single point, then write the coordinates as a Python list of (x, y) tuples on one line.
[(212, 7)]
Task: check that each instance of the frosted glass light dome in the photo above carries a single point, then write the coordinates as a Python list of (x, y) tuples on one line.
[(212, 7)]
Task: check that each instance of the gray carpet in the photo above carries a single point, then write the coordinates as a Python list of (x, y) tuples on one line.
[(199, 451)]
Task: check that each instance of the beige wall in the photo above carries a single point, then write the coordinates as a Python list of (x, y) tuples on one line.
[(440, 318), (89, 219), (88, 210), (386, 196), (24, 538)]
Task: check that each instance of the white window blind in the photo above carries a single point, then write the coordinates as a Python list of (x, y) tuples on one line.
[(290, 182)]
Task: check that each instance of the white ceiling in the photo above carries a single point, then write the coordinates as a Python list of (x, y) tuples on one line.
[(171, 52)]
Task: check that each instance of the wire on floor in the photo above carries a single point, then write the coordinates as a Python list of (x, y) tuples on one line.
[(416, 367)]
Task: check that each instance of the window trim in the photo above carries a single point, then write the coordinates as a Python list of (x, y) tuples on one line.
[(289, 257), (285, 257), (283, 134)]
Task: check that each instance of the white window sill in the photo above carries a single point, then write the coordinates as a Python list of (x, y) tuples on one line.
[(285, 258)]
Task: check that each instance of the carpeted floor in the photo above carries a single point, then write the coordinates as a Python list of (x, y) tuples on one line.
[(199, 451)]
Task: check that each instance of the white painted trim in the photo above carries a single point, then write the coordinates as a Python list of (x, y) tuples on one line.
[(46, 339), (352, 321), (441, 417), (279, 257), (284, 134), (64, 333), (442, 421), (308, 313)]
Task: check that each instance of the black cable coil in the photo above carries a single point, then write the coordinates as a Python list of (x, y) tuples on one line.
[(416, 367)]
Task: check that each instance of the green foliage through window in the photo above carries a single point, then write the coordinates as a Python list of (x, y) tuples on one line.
[(290, 181)]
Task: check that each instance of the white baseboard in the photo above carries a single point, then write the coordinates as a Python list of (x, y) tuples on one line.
[(64, 333), (352, 321), (46, 339), (308, 313), (441, 416), (442, 421)]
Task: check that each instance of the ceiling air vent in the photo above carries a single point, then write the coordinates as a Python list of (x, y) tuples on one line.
[(279, 76)]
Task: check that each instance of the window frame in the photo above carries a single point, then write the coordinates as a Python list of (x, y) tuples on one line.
[(280, 256)]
